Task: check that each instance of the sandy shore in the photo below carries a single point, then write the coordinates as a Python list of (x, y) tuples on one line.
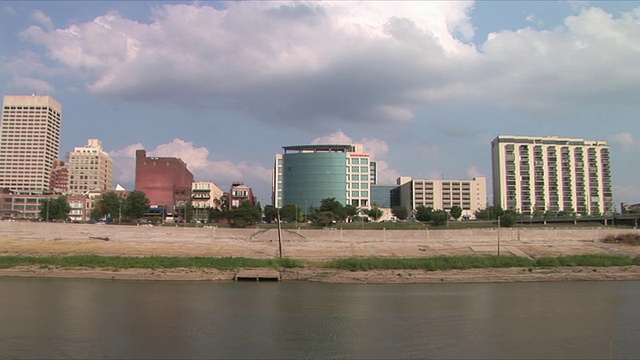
[(311, 246), (343, 276)]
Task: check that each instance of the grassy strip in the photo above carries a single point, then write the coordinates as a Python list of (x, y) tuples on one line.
[(152, 262), (478, 262), (351, 264)]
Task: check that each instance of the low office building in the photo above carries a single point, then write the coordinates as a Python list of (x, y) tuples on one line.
[(16, 205), (470, 195)]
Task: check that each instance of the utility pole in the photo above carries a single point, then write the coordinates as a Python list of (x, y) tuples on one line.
[(279, 235), (498, 232)]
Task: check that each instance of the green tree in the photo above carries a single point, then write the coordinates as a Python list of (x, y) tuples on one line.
[(423, 213), (55, 209), (489, 213), (188, 211), (136, 205), (400, 212), (375, 213), (108, 205), (455, 212), (351, 212), (270, 213), (245, 214), (509, 218), (290, 213), (439, 217), (566, 212), (335, 207)]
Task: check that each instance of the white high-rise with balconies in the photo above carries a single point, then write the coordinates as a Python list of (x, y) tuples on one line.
[(29, 141), (90, 169), (551, 174)]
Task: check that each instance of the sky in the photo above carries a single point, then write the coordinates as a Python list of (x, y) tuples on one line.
[(424, 85)]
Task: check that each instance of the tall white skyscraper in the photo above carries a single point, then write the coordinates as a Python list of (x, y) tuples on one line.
[(29, 141), (90, 169), (551, 174)]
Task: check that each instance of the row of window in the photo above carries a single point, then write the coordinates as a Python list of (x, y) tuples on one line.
[(358, 161)]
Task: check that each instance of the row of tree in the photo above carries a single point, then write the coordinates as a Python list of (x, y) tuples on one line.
[(110, 205)]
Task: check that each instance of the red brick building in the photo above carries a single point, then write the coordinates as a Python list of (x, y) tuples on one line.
[(240, 193), (166, 181), (59, 179)]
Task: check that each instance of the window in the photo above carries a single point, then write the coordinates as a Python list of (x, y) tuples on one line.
[(355, 161), (364, 193), (355, 193), (355, 177), (355, 169), (355, 186), (364, 161), (364, 169)]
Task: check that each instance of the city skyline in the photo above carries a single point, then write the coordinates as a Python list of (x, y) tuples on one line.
[(424, 86)]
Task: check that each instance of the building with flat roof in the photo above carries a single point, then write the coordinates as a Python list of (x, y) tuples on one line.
[(470, 195), (304, 175), (59, 179), (166, 182), (205, 195), (29, 142), (90, 168), (551, 173)]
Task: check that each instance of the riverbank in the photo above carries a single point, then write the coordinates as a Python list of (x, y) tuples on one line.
[(618, 273), (314, 248)]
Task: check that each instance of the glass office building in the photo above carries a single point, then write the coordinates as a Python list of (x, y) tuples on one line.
[(304, 175)]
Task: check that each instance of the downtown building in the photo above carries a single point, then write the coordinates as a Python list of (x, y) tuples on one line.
[(90, 168), (304, 175), (551, 174), (166, 182), (469, 195), (29, 142)]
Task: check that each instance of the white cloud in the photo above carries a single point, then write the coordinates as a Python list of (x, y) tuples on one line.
[(625, 140), (30, 85), (312, 64), (532, 18), (473, 172), (376, 148), (40, 18)]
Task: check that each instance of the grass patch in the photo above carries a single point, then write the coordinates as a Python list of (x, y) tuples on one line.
[(478, 262), (429, 263), (351, 264), (152, 262)]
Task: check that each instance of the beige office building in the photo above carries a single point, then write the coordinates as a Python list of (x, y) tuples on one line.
[(90, 169), (551, 174), (29, 141), (470, 195)]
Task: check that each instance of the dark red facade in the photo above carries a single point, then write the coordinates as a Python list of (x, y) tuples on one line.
[(59, 179), (166, 181)]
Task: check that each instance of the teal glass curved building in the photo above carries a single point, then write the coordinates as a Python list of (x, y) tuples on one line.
[(306, 174)]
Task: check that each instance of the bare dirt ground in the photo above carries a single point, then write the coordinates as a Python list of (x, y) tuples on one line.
[(26, 238)]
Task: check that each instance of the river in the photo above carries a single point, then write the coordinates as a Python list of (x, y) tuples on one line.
[(92, 319)]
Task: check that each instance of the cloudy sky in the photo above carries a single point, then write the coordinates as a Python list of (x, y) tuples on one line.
[(425, 85)]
